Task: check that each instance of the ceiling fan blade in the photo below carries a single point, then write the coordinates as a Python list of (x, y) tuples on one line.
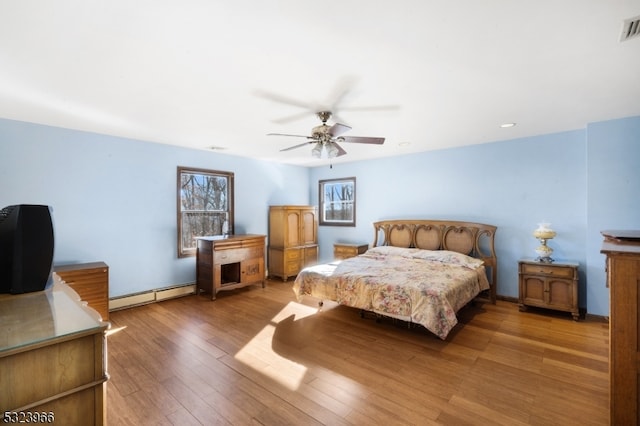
[(339, 119), (286, 134), (372, 108), (340, 150), (283, 99), (338, 129), (296, 146), (290, 118), (342, 88), (362, 139)]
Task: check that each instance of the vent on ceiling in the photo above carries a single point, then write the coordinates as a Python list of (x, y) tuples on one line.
[(630, 28)]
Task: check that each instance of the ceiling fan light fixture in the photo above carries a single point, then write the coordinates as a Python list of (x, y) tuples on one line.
[(316, 152), (332, 151), (327, 138)]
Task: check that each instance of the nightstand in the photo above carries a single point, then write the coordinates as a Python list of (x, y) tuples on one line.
[(345, 250), (549, 285)]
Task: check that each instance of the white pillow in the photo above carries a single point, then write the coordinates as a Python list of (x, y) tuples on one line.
[(392, 251), (449, 257)]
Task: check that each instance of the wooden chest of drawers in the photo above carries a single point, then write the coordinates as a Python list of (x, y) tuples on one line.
[(623, 280), (90, 281), (53, 359), (549, 285)]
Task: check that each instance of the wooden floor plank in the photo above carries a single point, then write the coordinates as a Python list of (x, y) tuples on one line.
[(258, 356)]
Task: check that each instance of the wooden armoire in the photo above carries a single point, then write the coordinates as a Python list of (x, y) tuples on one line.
[(293, 239), (622, 249)]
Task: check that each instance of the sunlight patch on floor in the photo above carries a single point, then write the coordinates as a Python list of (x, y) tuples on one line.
[(260, 355), (111, 331)]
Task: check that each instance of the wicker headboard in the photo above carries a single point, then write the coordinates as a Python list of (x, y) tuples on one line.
[(472, 239)]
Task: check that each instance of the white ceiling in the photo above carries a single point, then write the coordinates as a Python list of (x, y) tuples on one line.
[(207, 73)]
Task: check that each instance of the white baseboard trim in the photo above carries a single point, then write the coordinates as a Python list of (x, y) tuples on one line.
[(173, 292), (151, 296)]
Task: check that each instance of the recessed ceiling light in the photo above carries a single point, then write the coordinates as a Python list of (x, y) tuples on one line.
[(404, 144), (506, 125), (217, 148)]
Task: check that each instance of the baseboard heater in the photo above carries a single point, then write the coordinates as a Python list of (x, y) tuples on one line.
[(151, 296)]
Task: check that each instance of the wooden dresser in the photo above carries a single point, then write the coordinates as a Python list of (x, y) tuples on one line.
[(52, 359), (549, 285), (622, 249), (293, 239), (226, 263), (90, 281)]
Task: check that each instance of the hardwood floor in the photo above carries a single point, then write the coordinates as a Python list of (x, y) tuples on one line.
[(257, 357)]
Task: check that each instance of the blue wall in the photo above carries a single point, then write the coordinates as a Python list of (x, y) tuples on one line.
[(581, 181), (114, 199), (613, 195), (514, 185)]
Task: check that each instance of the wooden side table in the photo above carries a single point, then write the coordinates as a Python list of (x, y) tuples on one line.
[(549, 285), (346, 250), (227, 263)]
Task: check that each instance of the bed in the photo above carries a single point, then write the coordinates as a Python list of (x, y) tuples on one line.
[(419, 271)]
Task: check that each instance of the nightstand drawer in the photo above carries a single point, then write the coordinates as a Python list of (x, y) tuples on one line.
[(349, 251), (542, 269)]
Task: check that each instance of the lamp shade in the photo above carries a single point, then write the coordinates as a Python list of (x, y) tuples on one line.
[(544, 231)]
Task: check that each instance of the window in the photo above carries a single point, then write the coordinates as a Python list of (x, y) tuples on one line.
[(205, 206), (338, 202)]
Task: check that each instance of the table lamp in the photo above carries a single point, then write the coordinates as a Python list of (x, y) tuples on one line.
[(544, 233)]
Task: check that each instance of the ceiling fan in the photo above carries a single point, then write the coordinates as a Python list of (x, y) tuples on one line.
[(325, 137), (335, 102)]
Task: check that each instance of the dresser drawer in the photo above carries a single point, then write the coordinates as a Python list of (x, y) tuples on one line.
[(254, 252), (90, 281), (549, 270), (292, 254), (291, 268)]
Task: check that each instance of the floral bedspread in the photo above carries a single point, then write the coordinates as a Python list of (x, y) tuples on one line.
[(422, 286)]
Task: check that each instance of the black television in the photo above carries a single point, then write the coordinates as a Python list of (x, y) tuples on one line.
[(26, 248)]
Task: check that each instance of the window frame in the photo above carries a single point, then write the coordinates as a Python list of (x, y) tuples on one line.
[(350, 221), (229, 212)]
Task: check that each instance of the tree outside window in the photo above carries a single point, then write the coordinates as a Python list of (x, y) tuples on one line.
[(338, 202), (205, 206)]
